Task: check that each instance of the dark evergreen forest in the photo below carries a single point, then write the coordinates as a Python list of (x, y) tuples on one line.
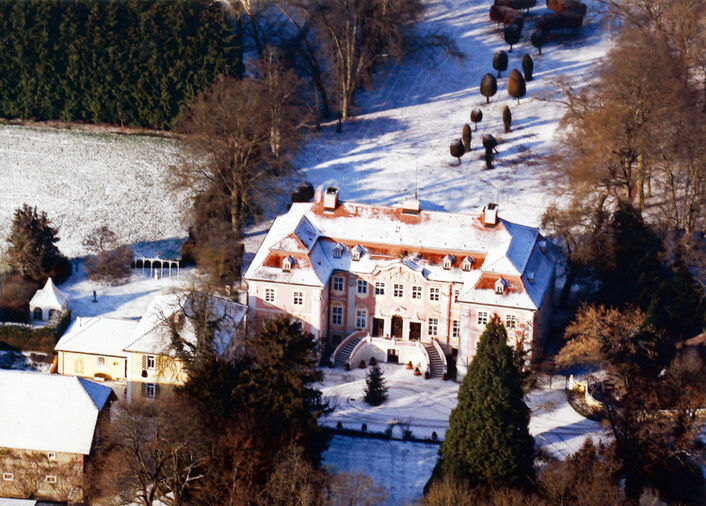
[(125, 62)]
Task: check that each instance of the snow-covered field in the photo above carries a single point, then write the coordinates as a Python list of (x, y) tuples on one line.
[(83, 180), (401, 136)]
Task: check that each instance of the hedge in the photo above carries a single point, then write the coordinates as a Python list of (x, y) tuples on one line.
[(26, 338)]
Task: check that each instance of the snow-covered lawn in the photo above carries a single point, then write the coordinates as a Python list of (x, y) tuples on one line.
[(406, 123), (129, 300), (423, 406)]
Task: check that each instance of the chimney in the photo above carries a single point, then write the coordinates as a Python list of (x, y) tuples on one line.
[(331, 198), (318, 195), (411, 206), (490, 215)]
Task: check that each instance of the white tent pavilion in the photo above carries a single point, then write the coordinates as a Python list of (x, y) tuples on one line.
[(47, 300)]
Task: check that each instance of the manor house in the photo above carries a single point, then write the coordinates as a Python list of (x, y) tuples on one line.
[(402, 283)]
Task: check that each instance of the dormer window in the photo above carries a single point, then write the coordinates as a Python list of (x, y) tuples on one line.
[(500, 286), (287, 264), (338, 250), (468, 263), (356, 253), (448, 261)]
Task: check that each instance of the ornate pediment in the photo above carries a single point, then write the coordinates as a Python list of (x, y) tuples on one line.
[(400, 273)]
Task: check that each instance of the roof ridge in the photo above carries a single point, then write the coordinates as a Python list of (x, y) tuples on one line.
[(83, 388)]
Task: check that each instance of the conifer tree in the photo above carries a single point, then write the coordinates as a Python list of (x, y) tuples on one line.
[(375, 386), (32, 251), (488, 441)]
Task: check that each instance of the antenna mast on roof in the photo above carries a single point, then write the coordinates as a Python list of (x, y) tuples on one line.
[(416, 181)]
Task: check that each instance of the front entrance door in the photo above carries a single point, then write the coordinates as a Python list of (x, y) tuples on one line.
[(397, 327), (415, 331), (392, 356), (378, 327)]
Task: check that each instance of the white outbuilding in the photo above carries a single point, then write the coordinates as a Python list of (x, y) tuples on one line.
[(47, 300)]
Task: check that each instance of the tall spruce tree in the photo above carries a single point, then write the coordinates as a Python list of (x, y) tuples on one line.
[(375, 387), (488, 442), (32, 252)]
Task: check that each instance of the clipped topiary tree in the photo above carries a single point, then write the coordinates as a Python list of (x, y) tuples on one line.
[(488, 87), (457, 149), (375, 386), (477, 114), (507, 118), (488, 443), (490, 144), (538, 38), (516, 85), (466, 136), (500, 61), (512, 34), (527, 67)]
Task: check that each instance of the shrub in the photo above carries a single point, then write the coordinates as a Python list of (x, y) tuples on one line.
[(466, 136), (538, 38), (303, 193), (457, 149), (500, 61), (477, 115), (516, 85), (507, 118), (527, 67), (488, 87), (36, 339), (512, 35), (14, 299)]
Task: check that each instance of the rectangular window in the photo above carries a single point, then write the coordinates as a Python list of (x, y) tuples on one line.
[(434, 294), (361, 319), (416, 292), (455, 329), (51, 455), (78, 365), (50, 478), (362, 287), (269, 294), (8, 476), (398, 291), (100, 361), (456, 292), (338, 283), (297, 298), (510, 321), (336, 315), (433, 326), (482, 317), (379, 288), (150, 361), (150, 390)]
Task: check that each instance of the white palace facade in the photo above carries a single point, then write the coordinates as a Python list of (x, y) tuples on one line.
[(402, 283)]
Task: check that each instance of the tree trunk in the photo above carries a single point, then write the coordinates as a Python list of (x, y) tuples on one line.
[(640, 181)]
